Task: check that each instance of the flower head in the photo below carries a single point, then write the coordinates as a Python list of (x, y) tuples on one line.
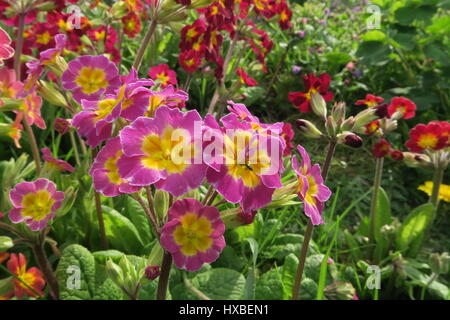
[(372, 127), (311, 188), (320, 85), (6, 51), (132, 24), (60, 165), (433, 136), (163, 151), (370, 101), (288, 135), (381, 148), (35, 203), (163, 74), (193, 234), (444, 190), (33, 277), (31, 108), (405, 108), (245, 78), (105, 172), (89, 77)]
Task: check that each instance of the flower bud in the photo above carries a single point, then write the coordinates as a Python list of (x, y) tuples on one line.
[(396, 155), (62, 126), (331, 126), (348, 124), (235, 217), (350, 139), (340, 291), (161, 203), (414, 160), (10, 104), (318, 105), (381, 111), (152, 272), (49, 93), (365, 117), (338, 112), (308, 129), (5, 243), (439, 263)]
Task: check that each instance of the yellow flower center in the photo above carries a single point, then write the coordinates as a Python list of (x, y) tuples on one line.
[(166, 152), (43, 38), (427, 140), (154, 103), (113, 170), (191, 33), (312, 191), (193, 234), (310, 93), (91, 80), (37, 205), (163, 78)]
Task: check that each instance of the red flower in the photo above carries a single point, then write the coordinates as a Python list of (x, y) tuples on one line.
[(132, 24), (445, 126), (396, 155), (372, 127), (285, 16), (245, 79), (312, 85), (381, 148), (192, 34), (32, 277), (189, 60), (163, 74), (405, 107), (288, 135), (431, 136), (370, 101)]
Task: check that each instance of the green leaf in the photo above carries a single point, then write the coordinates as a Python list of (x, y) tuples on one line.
[(6, 286), (217, 284), (383, 212), (373, 52), (438, 52), (140, 220), (270, 286), (105, 288), (76, 261), (121, 233), (409, 236), (373, 35)]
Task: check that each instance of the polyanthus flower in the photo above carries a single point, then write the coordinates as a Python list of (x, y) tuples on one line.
[(245, 79), (404, 107), (287, 134), (13, 130), (285, 15), (370, 101), (49, 56), (193, 234), (163, 151), (89, 77), (313, 85), (189, 60), (163, 74), (31, 107), (372, 127), (62, 126), (445, 129), (35, 203), (381, 148), (132, 24), (431, 136), (444, 190), (33, 277), (246, 163), (105, 173), (6, 51), (311, 188), (9, 86), (60, 165)]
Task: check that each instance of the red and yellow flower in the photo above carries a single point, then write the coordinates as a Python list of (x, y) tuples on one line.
[(402, 107), (32, 277), (433, 136), (313, 85), (370, 101)]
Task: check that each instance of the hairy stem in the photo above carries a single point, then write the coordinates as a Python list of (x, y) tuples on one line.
[(144, 45), (164, 276), (45, 266), (309, 228)]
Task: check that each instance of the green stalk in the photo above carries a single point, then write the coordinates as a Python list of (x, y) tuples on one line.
[(437, 181), (309, 227), (45, 266), (373, 205), (144, 45)]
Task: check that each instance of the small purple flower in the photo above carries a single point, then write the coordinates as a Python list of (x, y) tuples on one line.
[(152, 272), (296, 69), (301, 34), (323, 22)]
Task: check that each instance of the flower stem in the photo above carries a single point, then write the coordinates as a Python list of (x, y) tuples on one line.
[(99, 211), (19, 46), (309, 227), (144, 45), (437, 180), (75, 148), (164, 276), (373, 205), (33, 145), (45, 266)]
